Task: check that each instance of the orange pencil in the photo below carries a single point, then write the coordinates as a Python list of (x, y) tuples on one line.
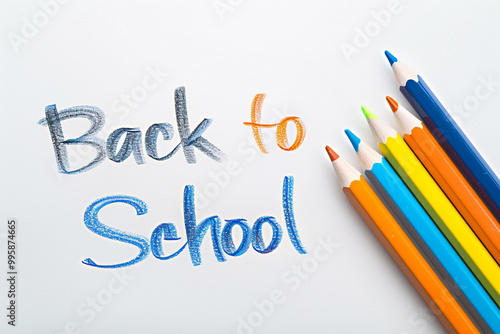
[(449, 178), (400, 248)]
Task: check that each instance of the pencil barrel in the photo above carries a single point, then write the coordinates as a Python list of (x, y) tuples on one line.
[(444, 214), (408, 258), (456, 187), (455, 274), (459, 148)]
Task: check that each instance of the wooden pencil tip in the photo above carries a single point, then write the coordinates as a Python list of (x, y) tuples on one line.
[(393, 104), (353, 139), (368, 114), (331, 153), (390, 57)]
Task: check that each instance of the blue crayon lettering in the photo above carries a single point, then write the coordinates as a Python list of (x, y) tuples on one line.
[(289, 216), (195, 233), (221, 242), (93, 224), (164, 232), (227, 238), (258, 241)]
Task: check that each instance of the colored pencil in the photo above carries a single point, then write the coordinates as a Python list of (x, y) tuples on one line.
[(428, 237), (449, 178), (401, 249), (449, 135), (437, 205)]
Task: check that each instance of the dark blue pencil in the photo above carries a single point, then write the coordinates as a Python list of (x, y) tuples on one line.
[(465, 156)]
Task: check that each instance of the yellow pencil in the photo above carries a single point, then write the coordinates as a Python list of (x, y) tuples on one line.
[(437, 205)]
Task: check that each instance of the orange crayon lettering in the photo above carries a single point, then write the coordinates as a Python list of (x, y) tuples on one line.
[(281, 135)]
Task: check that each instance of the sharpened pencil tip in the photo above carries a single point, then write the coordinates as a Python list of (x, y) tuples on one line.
[(390, 57), (368, 113), (331, 153), (353, 139), (392, 103)]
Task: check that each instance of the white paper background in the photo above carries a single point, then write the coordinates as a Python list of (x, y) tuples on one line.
[(92, 52)]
